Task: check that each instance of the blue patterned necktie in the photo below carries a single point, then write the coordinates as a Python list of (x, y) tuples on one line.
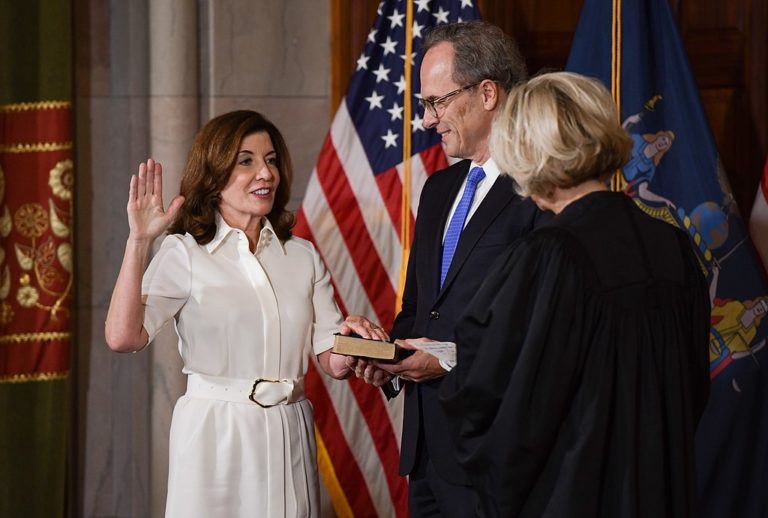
[(456, 225)]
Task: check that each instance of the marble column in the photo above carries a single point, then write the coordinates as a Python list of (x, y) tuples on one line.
[(111, 66), (148, 73), (272, 56), (174, 120)]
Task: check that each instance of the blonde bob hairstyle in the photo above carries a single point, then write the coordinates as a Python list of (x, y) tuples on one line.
[(558, 130)]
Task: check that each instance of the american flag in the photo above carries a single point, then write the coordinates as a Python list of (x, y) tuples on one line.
[(352, 212)]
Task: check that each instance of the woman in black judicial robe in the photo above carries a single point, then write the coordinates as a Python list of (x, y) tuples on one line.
[(583, 360)]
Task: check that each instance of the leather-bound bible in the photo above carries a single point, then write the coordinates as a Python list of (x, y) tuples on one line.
[(355, 345)]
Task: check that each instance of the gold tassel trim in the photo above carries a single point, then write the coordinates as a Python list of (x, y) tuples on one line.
[(47, 336), (40, 105), (39, 376), (38, 147)]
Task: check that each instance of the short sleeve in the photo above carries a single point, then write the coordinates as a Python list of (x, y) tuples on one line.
[(327, 317), (166, 284)]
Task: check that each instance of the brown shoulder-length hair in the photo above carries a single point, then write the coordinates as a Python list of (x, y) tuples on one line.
[(210, 163)]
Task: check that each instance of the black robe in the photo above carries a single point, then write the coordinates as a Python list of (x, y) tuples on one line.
[(583, 369)]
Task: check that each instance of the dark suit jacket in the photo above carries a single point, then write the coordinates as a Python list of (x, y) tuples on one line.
[(432, 312)]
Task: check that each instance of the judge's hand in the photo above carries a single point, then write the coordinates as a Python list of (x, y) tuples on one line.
[(146, 217), (419, 367), (367, 370), (363, 327)]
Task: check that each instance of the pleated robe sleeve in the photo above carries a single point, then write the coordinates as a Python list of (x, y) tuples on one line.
[(520, 350)]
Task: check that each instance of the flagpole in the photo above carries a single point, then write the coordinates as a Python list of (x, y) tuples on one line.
[(617, 181), (405, 219)]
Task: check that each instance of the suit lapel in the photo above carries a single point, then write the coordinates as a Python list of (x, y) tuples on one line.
[(500, 195)]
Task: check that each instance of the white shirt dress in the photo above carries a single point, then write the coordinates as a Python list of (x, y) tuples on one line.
[(242, 317)]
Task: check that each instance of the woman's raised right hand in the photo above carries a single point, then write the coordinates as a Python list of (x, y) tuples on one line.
[(146, 217)]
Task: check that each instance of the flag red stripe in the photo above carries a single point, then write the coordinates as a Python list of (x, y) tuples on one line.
[(302, 229), (347, 470), (331, 429), (391, 192), (376, 417), (374, 412), (434, 159), (342, 202)]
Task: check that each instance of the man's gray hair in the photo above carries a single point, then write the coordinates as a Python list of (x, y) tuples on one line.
[(481, 51)]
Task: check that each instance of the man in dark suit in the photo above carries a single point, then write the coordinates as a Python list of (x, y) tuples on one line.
[(466, 218)]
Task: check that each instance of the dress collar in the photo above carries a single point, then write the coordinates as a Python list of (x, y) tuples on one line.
[(267, 235)]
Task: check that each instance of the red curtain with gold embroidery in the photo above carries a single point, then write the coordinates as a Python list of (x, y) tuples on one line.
[(36, 273)]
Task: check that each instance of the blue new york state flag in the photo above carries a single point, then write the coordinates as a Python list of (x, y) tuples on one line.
[(675, 174)]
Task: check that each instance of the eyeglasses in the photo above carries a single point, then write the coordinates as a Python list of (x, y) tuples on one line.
[(437, 105)]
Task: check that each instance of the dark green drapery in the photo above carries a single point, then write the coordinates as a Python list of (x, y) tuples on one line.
[(36, 274)]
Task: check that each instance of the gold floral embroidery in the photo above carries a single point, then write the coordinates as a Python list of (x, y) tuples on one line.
[(6, 224), (31, 220), (6, 313), (64, 253), (27, 296), (45, 259), (61, 179)]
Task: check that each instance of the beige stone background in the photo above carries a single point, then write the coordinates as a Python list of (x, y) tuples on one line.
[(148, 73)]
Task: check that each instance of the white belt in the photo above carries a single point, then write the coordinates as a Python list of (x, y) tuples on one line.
[(263, 392)]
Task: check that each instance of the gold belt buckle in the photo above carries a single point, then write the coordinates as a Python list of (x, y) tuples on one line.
[(252, 395)]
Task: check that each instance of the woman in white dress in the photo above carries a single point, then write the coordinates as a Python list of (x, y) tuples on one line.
[(249, 302)]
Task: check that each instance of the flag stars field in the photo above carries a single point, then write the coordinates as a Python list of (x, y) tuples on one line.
[(382, 74), (396, 112), (374, 100), (390, 139), (423, 5), (362, 62), (400, 85), (379, 66), (397, 19), (441, 16), (416, 31), (388, 46), (404, 58), (417, 124)]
